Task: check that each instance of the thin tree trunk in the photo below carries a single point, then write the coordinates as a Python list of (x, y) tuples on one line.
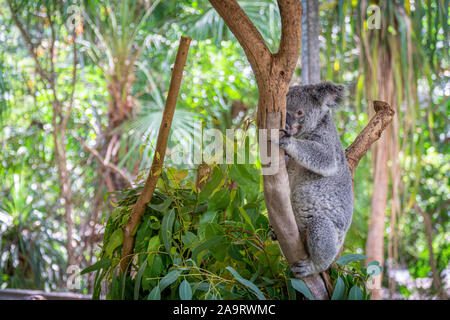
[(375, 237), (429, 233), (310, 42), (158, 158), (66, 192)]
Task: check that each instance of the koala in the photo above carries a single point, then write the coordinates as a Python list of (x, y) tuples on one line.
[(319, 177)]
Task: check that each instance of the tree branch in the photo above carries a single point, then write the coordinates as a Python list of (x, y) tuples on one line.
[(74, 80), (291, 35), (370, 134), (27, 41), (105, 163), (246, 33), (158, 158)]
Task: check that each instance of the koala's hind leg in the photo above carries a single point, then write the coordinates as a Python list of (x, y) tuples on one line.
[(322, 240)]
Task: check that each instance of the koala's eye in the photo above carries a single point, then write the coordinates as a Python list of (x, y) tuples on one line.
[(299, 113)]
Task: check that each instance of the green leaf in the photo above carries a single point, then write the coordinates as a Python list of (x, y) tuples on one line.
[(115, 240), (137, 284), (153, 245), (233, 252), (189, 238), (212, 230), (350, 258), (162, 207), (355, 293), (219, 201), (102, 264), (301, 287), (185, 291), (339, 290), (246, 217), (211, 185), (205, 245), (169, 278), (166, 229), (247, 283), (155, 294), (244, 174)]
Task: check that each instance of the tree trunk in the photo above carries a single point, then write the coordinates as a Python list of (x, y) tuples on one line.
[(375, 237), (310, 42), (429, 233)]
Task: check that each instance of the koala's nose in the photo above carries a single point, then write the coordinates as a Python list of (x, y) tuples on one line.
[(292, 129)]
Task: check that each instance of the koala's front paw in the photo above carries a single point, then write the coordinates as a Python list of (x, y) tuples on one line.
[(285, 132), (272, 235), (303, 268), (284, 142)]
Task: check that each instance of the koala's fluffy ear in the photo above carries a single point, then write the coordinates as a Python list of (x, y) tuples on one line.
[(329, 94)]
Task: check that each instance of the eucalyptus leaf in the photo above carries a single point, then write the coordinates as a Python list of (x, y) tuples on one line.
[(155, 294), (247, 283), (169, 278), (138, 279), (166, 229), (115, 240), (205, 245), (162, 207), (301, 287), (102, 264), (213, 182), (339, 290), (355, 293), (185, 290), (350, 258)]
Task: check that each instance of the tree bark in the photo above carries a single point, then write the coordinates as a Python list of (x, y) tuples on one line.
[(158, 158)]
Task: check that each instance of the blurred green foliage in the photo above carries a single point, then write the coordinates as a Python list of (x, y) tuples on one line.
[(32, 228), (206, 244)]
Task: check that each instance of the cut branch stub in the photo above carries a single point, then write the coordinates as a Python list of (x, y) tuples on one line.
[(370, 134), (158, 158)]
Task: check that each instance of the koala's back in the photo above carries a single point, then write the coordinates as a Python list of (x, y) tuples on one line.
[(313, 194)]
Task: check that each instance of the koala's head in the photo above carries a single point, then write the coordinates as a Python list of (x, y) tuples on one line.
[(307, 105)]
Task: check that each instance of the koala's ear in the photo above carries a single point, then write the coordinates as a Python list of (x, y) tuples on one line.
[(330, 94)]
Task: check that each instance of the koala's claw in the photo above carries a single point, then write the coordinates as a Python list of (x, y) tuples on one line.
[(302, 268), (272, 235), (285, 132), (284, 142)]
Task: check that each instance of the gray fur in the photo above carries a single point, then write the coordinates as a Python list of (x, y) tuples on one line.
[(319, 177)]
